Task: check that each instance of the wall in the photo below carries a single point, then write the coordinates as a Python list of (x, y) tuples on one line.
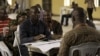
[(34, 2), (96, 14), (57, 4)]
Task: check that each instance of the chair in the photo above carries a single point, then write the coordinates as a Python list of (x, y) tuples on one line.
[(85, 49), (4, 50), (17, 41)]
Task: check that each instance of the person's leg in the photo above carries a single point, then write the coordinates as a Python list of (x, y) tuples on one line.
[(67, 18), (62, 19), (24, 50), (90, 11), (53, 51)]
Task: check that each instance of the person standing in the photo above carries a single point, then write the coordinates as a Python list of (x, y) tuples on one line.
[(90, 7), (16, 5)]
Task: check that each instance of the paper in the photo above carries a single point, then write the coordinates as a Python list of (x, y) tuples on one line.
[(44, 46)]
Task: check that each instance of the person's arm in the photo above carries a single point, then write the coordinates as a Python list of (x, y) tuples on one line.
[(24, 34), (94, 5), (57, 30), (47, 32)]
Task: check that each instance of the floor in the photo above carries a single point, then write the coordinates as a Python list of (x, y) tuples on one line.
[(69, 27)]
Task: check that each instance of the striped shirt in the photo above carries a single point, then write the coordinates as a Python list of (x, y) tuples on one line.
[(4, 23)]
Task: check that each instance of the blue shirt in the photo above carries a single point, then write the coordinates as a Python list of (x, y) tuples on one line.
[(28, 30)]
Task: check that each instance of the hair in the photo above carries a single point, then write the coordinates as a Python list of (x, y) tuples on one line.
[(35, 8), (80, 14), (19, 15), (38, 5)]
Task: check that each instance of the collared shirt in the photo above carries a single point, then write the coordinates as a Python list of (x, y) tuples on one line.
[(28, 30)]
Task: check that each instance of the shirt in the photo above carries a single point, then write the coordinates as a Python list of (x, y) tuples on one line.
[(28, 30)]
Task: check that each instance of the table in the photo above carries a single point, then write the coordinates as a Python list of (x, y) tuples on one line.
[(42, 46)]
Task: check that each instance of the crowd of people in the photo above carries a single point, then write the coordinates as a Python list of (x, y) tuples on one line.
[(35, 24), (31, 25)]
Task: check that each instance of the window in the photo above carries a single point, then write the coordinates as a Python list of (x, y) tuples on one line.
[(97, 3), (9, 2), (66, 2)]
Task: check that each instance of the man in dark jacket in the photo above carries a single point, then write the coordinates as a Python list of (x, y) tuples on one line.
[(32, 30)]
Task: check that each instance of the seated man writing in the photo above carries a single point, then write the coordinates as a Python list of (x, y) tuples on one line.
[(32, 30)]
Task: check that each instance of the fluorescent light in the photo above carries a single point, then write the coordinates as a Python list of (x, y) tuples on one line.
[(9, 2), (66, 2), (96, 2)]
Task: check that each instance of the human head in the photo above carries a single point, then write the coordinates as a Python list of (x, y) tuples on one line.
[(47, 17), (21, 17), (27, 11), (34, 14), (38, 5), (79, 16), (74, 5)]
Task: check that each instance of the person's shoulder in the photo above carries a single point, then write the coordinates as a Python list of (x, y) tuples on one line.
[(41, 22), (70, 33), (26, 21), (55, 22)]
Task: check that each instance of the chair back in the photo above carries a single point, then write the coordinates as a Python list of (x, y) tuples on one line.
[(4, 50), (17, 41), (85, 49)]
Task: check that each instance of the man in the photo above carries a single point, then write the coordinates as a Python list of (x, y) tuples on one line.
[(32, 30), (90, 7), (67, 16), (54, 27), (16, 7), (4, 22), (81, 33)]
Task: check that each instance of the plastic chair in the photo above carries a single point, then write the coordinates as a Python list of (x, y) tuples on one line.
[(17, 41), (4, 50), (85, 49)]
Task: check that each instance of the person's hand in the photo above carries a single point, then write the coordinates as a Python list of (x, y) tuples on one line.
[(56, 36), (38, 37)]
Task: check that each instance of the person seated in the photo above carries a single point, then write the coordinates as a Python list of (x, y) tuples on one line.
[(4, 34), (32, 30), (82, 33), (21, 17), (4, 22), (54, 26), (68, 15), (15, 28)]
